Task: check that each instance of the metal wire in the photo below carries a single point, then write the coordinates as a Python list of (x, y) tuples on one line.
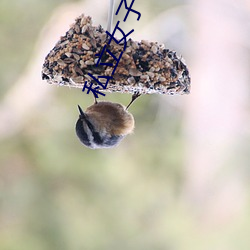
[(110, 15)]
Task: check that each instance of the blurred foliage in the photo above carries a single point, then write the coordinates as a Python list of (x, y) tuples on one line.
[(20, 24)]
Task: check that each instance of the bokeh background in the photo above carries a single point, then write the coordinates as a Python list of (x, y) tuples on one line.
[(180, 182)]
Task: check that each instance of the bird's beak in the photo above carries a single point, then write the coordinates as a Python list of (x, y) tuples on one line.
[(82, 115)]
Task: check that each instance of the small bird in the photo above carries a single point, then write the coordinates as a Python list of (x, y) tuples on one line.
[(104, 124)]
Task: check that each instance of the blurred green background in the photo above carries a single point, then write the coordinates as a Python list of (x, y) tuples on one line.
[(181, 181)]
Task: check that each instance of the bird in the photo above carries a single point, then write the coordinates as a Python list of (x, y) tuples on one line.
[(104, 124)]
